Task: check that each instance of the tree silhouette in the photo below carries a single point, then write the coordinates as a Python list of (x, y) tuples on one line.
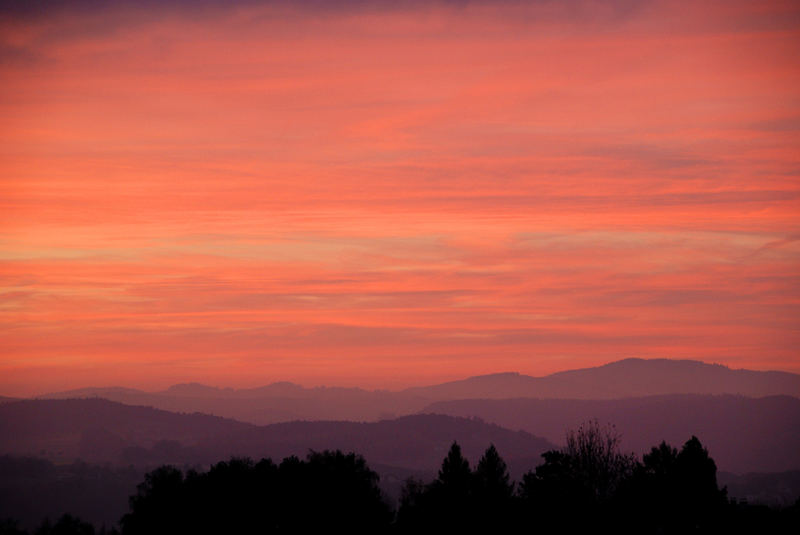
[(574, 486), (493, 492), (454, 475), (491, 476), (445, 505), (649, 497), (334, 489), (450, 492), (550, 493), (674, 492), (660, 462), (459, 499), (330, 490), (158, 505), (596, 460), (587, 485), (700, 499), (225, 498)]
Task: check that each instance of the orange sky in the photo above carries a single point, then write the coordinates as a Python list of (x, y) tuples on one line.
[(384, 195)]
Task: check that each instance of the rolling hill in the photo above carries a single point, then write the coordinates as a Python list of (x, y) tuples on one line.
[(103, 431)]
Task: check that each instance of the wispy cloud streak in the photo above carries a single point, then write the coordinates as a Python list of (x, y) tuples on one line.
[(393, 193)]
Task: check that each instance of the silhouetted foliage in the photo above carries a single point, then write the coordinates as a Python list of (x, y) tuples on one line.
[(587, 485), (653, 490), (330, 490), (549, 492), (673, 492), (491, 479), (451, 492), (697, 475), (460, 500), (444, 504), (576, 485), (493, 492), (454, 474), (66, 525), (596, 461)]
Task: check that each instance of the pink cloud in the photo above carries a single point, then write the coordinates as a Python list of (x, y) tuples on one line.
[(413, 193)]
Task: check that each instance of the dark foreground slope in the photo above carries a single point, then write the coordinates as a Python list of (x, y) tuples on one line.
[(743, 434)]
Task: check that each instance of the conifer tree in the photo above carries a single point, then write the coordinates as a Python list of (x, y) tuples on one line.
[(492, 493), (491, 476), (454, 473)]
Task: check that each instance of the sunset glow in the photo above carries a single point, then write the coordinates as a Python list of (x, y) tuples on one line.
[(394, 195)]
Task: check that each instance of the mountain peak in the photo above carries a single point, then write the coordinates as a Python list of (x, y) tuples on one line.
[(638, 361), (630, 377)]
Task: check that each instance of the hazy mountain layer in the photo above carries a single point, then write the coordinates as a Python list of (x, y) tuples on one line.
[(100, 430), (279, 402), (624, 378), (282, 402), (97, 429), (742, 434)]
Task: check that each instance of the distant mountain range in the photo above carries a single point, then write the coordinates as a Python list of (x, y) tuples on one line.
[(749, 421), (621, 379), (282, 402)]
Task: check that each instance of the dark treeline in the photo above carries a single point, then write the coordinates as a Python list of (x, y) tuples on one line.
[(304, 496), (589, 485)]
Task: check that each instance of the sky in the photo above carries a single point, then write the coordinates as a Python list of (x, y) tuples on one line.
[(387, 194)]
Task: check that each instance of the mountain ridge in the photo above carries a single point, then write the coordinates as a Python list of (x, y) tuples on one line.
[(284, 401), (632, 377), (743, 434), (99, 430), (284, 387)]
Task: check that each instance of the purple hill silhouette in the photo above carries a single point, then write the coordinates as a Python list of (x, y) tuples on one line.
[(621, 379), (103, 431)]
